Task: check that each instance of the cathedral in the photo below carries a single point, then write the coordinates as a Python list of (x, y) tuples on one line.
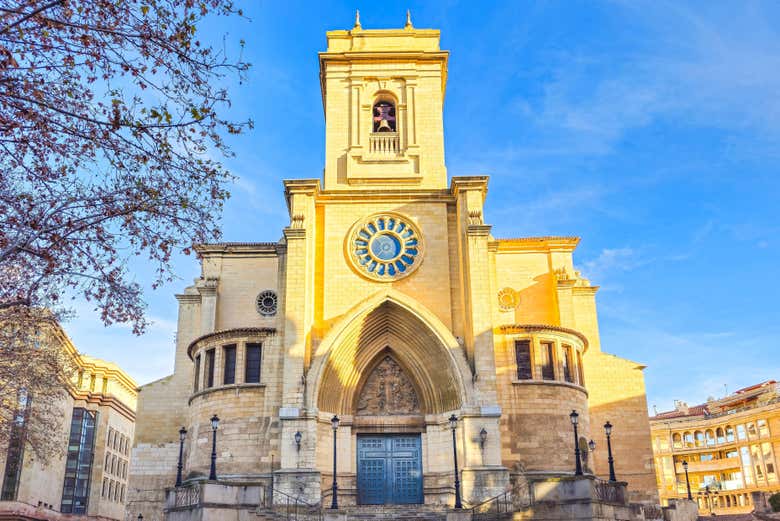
[(387, 334)]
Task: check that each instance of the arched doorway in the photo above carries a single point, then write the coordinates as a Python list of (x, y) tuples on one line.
[(393, 373)]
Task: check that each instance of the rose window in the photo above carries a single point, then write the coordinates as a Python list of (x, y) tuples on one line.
[(267, 302), (385, 247)]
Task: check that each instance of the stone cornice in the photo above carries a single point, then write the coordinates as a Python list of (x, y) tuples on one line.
[(470, 182), (105, 400), (238, 248), (539, 244), (533, 328), (227, 334)]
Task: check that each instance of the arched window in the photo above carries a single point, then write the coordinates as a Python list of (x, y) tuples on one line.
[(699, 438), (384, 116), (710, 437), (677, 440), (688, 437), (719, 434), (729, 433)]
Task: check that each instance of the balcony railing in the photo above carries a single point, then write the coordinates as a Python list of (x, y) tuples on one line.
[(384, 144), (707, 466)]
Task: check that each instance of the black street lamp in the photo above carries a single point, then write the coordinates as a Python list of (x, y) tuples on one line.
[(575, 418), (334, 504), (182, 436), (453, 426), (140, 517), (687, 481), (298, 437), (608, 430), (214, 425)]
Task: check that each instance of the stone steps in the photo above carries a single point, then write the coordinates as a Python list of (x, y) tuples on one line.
[(366, 513)]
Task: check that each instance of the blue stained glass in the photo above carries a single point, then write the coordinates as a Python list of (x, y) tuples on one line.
[(381, 270), (365, 234), (390, 223), (411, 242), (372, 266), (372, 228), (411, 251), (386, 247), (381, 223), (401, 266), (407, 259), (390, 269)]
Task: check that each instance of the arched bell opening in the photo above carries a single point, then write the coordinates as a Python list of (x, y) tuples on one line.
[(384, 114)]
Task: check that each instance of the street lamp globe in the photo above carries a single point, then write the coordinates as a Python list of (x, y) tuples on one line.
[(214, 422), (608, 428), (182, 434), (575, 418), (453, 422), (592, 446), (334, 422)]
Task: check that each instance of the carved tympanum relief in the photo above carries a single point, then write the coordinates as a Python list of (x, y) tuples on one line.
[(388, 391)]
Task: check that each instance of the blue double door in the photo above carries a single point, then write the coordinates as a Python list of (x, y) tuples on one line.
[(389, 469)]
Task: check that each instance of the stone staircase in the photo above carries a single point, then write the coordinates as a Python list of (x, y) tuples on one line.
[(362, 513)]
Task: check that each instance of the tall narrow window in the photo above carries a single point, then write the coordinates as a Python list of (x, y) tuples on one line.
[(546, 361), (15, 455), (523, 359), (78, 465), (209, 368), (580, 373), (229, 356), (197, 373), (567, 364), (253, 357)]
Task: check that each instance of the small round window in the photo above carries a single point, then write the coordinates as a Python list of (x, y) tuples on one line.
[(267, 302)]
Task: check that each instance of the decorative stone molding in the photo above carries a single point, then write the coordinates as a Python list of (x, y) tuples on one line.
[(229, 334), (508, 299), (536, 328)]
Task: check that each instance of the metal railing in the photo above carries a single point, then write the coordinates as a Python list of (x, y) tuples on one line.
[(293, 508), (494, 508)]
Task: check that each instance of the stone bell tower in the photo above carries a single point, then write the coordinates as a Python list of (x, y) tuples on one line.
[(383, 92)]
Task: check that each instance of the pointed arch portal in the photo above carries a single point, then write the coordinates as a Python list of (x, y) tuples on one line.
[(405, 342)]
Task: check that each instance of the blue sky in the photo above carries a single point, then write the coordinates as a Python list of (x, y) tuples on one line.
[(649, 129)]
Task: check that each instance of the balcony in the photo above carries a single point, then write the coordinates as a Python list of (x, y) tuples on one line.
[(384, 144), (709, 466)]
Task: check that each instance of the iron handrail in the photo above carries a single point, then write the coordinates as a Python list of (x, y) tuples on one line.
[(503, 499)]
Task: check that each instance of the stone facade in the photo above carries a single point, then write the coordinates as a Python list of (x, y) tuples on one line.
[(388, 303), (88, 478)]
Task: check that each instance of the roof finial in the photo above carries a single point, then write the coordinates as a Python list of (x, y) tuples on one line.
[(357, 19), (408, 20)]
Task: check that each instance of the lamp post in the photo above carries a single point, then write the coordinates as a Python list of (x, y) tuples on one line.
[(592, 446), (687, 481), (454, 425), (214, 425), (182, 436), (482, 438), (334, 504), (608, 430), (298, 437), (575, 418)]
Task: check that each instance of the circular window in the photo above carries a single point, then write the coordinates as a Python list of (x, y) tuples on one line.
[(508, 299), (385, 247), (267, 302)]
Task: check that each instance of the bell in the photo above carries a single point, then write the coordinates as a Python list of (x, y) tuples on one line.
[(384, 126)]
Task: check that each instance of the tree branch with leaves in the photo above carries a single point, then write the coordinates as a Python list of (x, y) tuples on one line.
[(112, 128)]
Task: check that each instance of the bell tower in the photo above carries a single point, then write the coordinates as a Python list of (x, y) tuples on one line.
[(383, 93)]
